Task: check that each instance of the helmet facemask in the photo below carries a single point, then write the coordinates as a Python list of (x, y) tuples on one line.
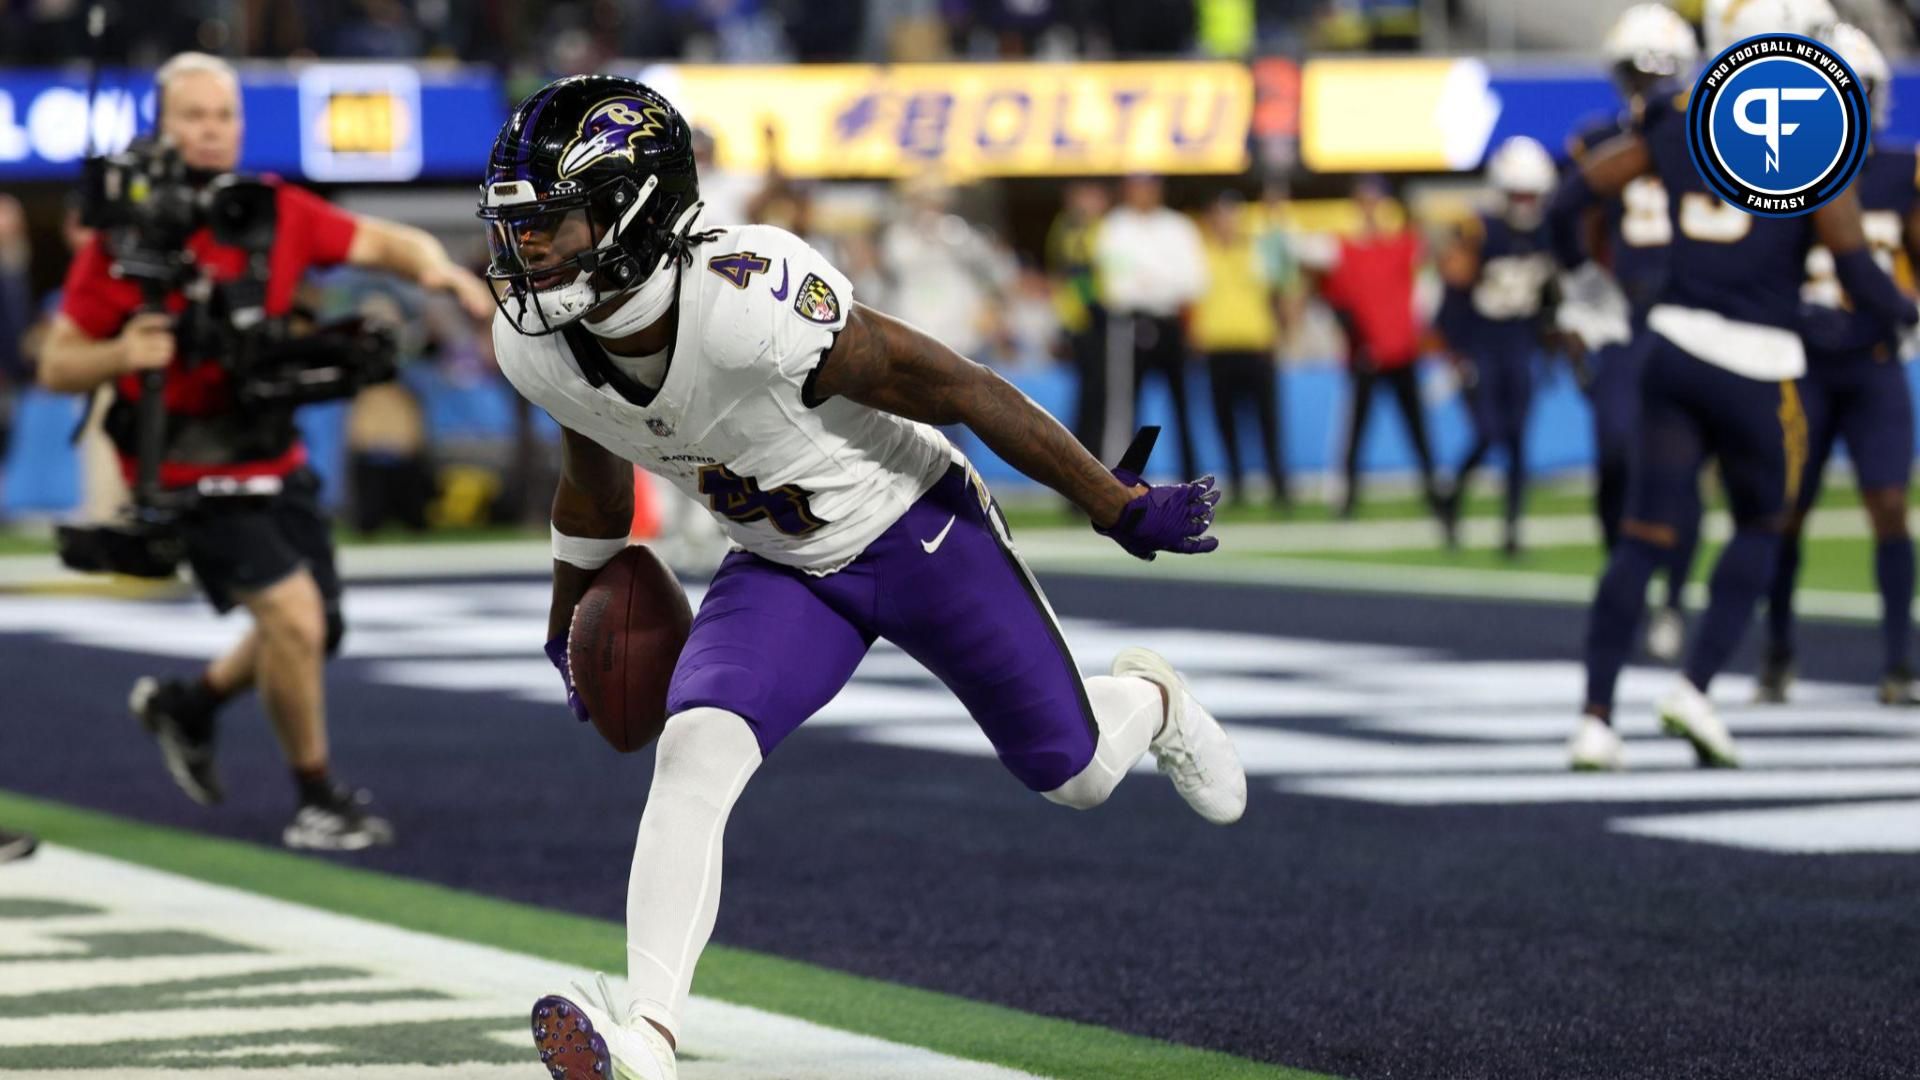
[(561, 257)]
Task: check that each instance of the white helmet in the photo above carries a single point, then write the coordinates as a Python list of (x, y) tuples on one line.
[(1728, 21), (1652, 39), (1867, 62), (1523, 172), (1521, 166)]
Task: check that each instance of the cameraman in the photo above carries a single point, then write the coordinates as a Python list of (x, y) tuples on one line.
[(271, 554)]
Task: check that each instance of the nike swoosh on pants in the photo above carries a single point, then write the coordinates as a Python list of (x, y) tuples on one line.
[(933, 545)]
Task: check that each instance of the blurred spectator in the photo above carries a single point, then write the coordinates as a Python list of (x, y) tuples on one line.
[(389, 471), (725, 191), (823, 32), (1032, 324), (1226, 27), (1150, 27), (1070, 265), (1150, 269), (16, 312), (1370, 287), (1236, 326), (1279, 258), (943, 275), (376, 29), (103, 488)]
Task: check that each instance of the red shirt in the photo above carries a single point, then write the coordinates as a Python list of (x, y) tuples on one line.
[(1373, 285), (308, 233)]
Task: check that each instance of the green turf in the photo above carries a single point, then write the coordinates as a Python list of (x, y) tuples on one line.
[(1836, 564), (1026, 511), (21, 542), (940, 1022)]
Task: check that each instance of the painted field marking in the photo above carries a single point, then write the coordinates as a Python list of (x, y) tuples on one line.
[(112, 969)]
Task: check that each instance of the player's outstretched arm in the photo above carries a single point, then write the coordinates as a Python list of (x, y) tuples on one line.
[(885, 364), (1608, 168), (593, 501)]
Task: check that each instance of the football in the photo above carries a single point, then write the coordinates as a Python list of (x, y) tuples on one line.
[(626, 636)]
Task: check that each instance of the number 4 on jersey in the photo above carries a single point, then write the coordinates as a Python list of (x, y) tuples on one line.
[(740, 499)]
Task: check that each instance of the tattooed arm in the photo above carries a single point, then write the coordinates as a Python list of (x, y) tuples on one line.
[(594, 499), (885, 364)]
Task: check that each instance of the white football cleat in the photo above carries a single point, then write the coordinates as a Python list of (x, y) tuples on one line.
[(1191, 747), (580, 1039), (1666, 634), (1685, 713), (1595, 746)]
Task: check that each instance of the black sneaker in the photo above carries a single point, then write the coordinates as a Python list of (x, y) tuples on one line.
[(341, 823), (16, 845), (1776, 678), (181, 721), (1896, 688)]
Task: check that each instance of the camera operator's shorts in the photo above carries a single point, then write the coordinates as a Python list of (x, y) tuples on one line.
[(241, 545)]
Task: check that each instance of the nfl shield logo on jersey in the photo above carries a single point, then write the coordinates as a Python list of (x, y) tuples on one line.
[(816, 302), (659, 427)]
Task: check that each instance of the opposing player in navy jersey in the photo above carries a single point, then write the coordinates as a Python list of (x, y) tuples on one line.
[(1651, 49), (1855, 390), (1719, 382), (1498, 270)]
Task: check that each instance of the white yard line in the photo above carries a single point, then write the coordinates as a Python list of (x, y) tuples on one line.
[(730, 1042)]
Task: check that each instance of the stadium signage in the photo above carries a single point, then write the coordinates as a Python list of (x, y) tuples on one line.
[(970, 120), (320, 122)]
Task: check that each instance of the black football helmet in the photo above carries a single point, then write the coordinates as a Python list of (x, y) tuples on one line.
[(590, 182)]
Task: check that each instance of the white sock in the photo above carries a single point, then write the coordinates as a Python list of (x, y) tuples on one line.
[(673, 893), (1128, 711)]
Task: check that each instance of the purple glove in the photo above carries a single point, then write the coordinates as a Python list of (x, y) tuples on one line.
[(557, 652), (1167, 517)]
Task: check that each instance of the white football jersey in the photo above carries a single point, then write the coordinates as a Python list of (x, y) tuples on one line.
[(804, 487)]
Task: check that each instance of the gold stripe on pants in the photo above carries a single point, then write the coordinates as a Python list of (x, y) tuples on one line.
[(1793, 439)]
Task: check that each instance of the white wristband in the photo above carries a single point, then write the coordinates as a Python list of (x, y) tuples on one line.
[(585, 552)]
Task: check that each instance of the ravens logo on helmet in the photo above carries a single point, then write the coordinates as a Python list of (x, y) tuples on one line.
[(590, 182)]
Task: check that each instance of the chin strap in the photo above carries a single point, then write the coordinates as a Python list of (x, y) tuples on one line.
[(650, 300)]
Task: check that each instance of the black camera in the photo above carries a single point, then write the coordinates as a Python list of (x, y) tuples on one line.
[(148, 205)]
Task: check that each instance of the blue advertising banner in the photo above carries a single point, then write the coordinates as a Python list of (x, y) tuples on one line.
[(317, 122)]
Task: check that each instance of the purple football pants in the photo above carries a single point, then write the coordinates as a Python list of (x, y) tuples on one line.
[(775, 644)]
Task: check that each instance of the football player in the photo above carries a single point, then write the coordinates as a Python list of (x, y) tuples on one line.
[(1497, 270), (1719, 382), (735, 363), (1855, 390), (1651, 48)]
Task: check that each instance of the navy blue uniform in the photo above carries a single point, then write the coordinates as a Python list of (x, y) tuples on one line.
[(1861, 394), (1718, 382), (1639, 231), (1496, 322), (1856, 390), (1747, 270)]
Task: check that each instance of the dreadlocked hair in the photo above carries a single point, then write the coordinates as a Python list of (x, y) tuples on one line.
[(680, 248)]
